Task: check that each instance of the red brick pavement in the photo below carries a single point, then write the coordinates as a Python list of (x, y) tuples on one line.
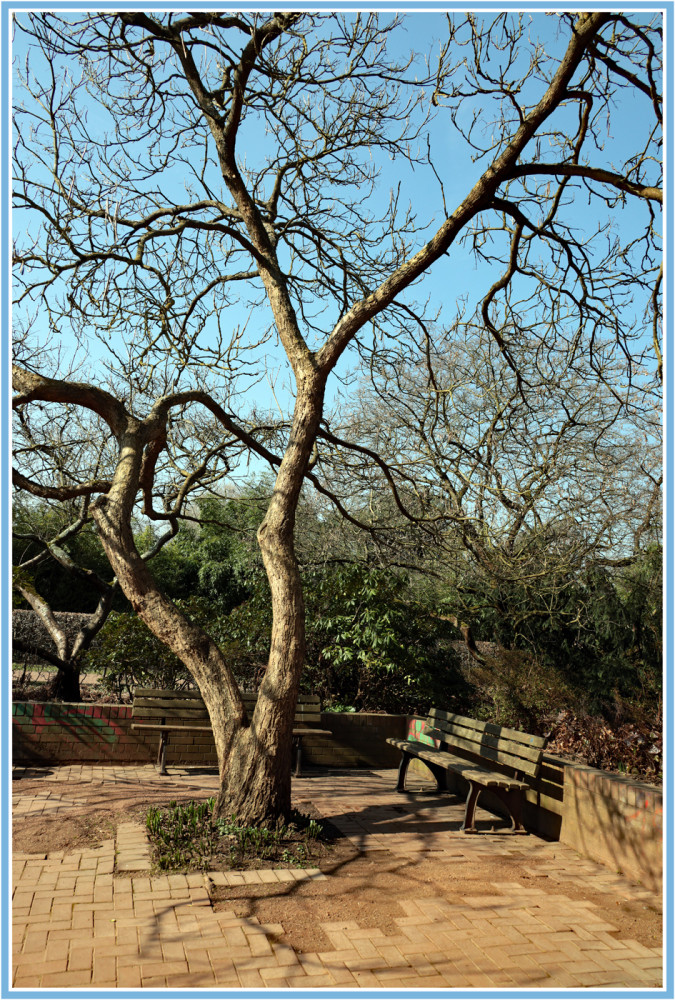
[(78, 923)]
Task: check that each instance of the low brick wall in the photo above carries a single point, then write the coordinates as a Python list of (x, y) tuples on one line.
[(49, 733), (615, 820), (46, 733), (611, 819)]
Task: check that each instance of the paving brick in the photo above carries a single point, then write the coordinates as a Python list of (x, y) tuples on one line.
[(47, 968), (80, 958), (154, 983), (162, 932), (35, 941), (250, 979), (27, 982)]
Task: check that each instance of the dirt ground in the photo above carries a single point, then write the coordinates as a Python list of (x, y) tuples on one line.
[(363, 886)]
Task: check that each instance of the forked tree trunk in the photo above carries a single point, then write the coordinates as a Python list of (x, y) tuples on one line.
[(66, 684), (254, 756), (256, 785)]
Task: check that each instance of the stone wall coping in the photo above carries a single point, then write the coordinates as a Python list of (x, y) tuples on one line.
[(584, 774)]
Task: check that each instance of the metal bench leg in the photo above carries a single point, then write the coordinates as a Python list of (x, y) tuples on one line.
[(161, 756), (439, 774), (513, 801), (297, 740), (402, 769), (471, 799)]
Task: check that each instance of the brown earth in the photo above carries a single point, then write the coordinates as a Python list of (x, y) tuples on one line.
[(367, 887), (364, 887)]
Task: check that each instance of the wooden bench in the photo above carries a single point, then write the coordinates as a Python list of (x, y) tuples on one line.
[(173, 711), (488, 756)]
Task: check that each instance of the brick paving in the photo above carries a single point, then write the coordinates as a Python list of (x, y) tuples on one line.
[(97, 918)]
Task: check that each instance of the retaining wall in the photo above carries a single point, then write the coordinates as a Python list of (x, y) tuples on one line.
[(606, 817), (50, 733)]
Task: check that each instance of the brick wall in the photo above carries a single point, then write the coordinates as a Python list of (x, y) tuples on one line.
[(49, 733)]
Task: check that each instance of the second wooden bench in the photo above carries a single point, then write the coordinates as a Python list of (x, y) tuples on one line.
[(174, 711), (486, 755)]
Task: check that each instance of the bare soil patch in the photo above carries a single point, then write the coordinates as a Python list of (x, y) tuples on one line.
[(368, 888), (90, 818)]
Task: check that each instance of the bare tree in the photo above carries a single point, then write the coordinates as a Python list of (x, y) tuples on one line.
[(532, 488), (146, 220), (67, 459)]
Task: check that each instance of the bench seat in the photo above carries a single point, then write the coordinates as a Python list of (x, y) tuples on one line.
[(467, 769)]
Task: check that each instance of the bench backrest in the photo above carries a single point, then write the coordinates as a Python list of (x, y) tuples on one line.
[(160, 705), (485, 742)]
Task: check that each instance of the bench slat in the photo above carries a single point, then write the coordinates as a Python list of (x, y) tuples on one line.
[(188, 706), (530, 767), (436, 714), (171, 726), (468, 769), (173, 707), (519, 756), (167, 693)]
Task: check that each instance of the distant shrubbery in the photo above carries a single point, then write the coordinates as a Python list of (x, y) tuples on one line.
[(572, 643)]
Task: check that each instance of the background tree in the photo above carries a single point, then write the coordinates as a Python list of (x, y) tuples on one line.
[(145, 228), (532, 487)]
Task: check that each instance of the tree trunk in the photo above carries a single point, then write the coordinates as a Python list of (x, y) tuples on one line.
[(254, 758), (257, 784), (66, 685)]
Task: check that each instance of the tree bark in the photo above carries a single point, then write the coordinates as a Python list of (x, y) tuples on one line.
[(257, 784), (66, 684)]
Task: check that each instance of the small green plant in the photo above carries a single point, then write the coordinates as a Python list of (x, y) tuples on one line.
[(189, 837), (314, 829)]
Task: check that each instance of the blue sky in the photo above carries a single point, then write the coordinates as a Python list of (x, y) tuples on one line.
[(451, 278)]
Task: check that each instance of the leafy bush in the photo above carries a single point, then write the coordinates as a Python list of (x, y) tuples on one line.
[(633, 748), (593, 637), (514, 688), (371, 647), (128, 654)]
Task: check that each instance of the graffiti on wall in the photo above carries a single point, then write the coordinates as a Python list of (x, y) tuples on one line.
[(82, 722), (417, 731)]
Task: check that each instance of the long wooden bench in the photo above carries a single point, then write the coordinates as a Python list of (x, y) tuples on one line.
[(174, 711), (488, 756)]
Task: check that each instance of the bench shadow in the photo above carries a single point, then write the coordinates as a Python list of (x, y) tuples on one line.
[(417, 813), (31, 772)]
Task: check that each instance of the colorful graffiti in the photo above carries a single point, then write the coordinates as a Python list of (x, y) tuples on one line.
[(83, 722), (417, 731)]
